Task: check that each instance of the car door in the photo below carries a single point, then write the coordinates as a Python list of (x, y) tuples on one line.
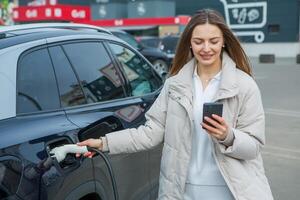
[(11, 173), (143, 86), (107, 110), (25, 138)]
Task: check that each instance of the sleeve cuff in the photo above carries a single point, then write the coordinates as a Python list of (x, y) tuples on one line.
[(228, 141), (104, 144)]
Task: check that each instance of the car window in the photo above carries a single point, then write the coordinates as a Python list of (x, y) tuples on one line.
[(138, 71), (71, 93), (127, 38), (99, 77), (37, 88)]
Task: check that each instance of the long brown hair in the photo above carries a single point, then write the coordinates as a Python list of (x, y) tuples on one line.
[(232, 45)]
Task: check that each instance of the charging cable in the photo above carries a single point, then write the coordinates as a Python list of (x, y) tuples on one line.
[(110, 170), (60, 153)]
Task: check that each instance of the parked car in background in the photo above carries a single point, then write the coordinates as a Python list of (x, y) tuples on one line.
[(150, 41), (161, 62), (166, 44), (65, 83)]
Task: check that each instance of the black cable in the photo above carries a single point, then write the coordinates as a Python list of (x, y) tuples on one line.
[(110, 170)]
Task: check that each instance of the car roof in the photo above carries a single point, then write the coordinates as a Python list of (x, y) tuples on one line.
[(170, 36), (116, 30), (14, 35), (32, 26), (149, 37)]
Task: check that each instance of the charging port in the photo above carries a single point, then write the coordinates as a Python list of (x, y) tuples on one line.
[(70, 160)]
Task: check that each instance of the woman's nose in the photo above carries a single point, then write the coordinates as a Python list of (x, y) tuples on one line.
[(206, 46)]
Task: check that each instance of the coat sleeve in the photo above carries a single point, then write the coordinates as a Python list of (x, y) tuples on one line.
[(145, 136), (249, 134)]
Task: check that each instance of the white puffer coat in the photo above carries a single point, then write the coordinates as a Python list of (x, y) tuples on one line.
[(170, 120)]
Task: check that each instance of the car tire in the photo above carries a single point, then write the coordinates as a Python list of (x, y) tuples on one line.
[(160, 66)]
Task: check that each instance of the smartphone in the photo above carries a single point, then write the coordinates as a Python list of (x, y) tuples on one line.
[(212, 108)]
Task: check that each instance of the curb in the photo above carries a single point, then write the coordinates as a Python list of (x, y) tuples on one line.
[(266, 58)]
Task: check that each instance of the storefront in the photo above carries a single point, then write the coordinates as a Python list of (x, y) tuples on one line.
[(137, 17), (254, 21)]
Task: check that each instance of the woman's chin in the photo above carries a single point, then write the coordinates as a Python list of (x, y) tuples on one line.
[(205, 62)]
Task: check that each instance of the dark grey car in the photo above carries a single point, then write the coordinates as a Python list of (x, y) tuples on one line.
[(64, 83)]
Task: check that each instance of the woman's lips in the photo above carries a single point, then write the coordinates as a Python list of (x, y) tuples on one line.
[(206, 57)]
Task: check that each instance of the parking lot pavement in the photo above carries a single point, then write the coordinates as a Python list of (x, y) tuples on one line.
[(279, 84)]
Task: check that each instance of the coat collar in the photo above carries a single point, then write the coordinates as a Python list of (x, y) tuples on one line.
[(183, 81)]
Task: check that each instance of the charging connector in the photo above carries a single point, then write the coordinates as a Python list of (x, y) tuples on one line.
[(60, 153)]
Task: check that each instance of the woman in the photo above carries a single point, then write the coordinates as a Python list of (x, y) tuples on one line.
[(201, 161)]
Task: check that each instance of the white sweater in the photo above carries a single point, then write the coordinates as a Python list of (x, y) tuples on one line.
[(203, 169)]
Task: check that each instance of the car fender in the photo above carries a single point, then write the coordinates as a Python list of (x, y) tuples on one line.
[(85, 189)]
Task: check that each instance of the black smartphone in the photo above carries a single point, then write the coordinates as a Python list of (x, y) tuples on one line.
[(212, 108)]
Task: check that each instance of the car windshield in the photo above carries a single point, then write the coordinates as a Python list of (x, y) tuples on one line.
[(168, 44), (127, 38)]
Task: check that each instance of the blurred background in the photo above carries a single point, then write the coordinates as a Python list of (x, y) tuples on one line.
[(272, 25), (269, 32)]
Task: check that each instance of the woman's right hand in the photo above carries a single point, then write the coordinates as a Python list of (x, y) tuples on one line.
[(94, 143)]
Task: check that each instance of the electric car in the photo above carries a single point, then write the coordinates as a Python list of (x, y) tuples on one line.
[(61, 84)]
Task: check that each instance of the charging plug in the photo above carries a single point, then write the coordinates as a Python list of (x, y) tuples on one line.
[(61, 152)]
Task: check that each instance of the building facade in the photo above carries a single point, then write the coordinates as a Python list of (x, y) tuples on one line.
[(273, 22)]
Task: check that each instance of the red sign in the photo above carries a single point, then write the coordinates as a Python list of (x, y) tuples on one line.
[(180, 20), (51, 13), (81, 14)]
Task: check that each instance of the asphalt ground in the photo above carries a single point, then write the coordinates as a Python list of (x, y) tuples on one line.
[(279, 83)]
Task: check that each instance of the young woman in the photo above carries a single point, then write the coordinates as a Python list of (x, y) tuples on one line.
[(220, 157)]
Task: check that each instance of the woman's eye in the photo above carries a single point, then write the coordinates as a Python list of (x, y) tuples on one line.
[(214, 42), (197, 42)]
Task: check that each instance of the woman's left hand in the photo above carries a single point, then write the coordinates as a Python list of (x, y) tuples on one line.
[(220, 129)]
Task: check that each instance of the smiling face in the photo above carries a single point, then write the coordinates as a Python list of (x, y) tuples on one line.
[(206, 42)]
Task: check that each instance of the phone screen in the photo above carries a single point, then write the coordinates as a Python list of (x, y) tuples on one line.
[(212, 108)]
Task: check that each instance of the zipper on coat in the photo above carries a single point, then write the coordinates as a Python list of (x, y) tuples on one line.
[(221, 170)]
